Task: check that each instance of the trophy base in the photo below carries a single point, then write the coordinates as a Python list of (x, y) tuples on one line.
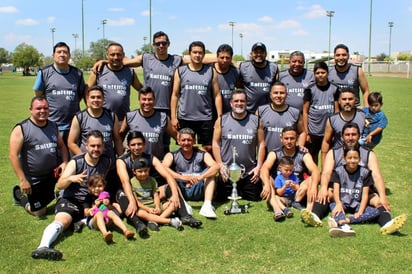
[(234, 198), (237, 210)]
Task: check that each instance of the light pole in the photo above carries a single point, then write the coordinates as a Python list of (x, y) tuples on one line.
[(144, 43), (241, 44), (329, 13), (53, 30), (150, 25), (75, 36), (390, 25), (104, 22), (370, 39), (232, 24), (82, 29)]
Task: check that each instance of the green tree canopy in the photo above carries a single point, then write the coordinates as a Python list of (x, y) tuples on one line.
[(97, 49), (25, 56), (5, 56)]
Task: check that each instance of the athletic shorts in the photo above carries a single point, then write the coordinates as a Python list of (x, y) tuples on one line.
[(42, 191), (74, 209), (203, 130)]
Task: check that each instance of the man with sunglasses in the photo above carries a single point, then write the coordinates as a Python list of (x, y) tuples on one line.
[(158, 70)]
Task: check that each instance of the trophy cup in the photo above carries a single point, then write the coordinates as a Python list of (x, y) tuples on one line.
[(235, 173)]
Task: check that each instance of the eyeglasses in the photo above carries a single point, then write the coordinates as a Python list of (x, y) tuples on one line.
[(163, 43)]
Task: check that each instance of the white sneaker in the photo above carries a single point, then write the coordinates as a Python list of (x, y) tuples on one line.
[(310, 218), (332, 222), (342, 231), (393, 225), (208, 211)]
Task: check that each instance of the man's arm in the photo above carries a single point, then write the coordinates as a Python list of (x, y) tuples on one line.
[(314, 177), (171, 130), (327, 169), (174, 100), (217, 95), (137, 85), (73, 138), (69, 176), (92, 80), (64, 153), (16, 145), (265, 174), (302, 133), (373, 165), (38, 84), (170, 181), (363, 83), (216, 149), (305, 118), (326, 142), (118, 143), (260, 155), (126, 186)]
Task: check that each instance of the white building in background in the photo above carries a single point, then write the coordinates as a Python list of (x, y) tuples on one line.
[(310, 56)]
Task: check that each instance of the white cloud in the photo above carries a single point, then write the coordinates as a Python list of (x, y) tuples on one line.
[(315, 11), (266, 19), (287, 24), (200, 30), (27, 22), (300, 32), (8, 9), (12, 39), (172, 17), (116, 9), (121, 22), (145, 13), (410, 8), (51, 19)]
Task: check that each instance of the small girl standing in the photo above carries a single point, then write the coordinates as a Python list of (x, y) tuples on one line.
[(101, 213), (351, 183)]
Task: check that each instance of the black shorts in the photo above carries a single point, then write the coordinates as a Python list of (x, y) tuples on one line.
[(42, 192), (74, 209), (203, 130)]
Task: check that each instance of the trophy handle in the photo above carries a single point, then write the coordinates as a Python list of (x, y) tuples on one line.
[(242, 170)]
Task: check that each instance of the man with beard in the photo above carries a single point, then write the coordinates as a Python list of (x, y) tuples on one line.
[(75, 200), (227, 74), (257, 76), (348, 113), (378, 199), (241, 130), (348, 76), (116, 80), (277, 115), (297, 79)]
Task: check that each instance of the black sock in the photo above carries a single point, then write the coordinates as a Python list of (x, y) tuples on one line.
[(320, 210), (24, 201), (384, 217)]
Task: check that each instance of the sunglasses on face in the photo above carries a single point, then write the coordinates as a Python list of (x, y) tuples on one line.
[(163, 43)]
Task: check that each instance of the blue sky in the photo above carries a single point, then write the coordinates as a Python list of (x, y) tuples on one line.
[(281, 25)]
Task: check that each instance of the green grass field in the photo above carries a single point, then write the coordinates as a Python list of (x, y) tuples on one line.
[(250, 243)]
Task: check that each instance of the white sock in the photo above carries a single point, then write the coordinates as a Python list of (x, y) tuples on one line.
[(207, 203), (50, 234)]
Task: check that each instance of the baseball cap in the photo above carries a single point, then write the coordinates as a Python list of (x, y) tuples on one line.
[(258, 45), (140, 162)]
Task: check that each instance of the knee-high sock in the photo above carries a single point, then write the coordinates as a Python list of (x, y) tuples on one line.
[(384, 217), (51, 233)]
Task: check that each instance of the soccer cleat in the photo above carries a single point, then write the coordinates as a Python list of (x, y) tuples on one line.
[(208, 211), (153, 226), (341, 231), (142, 230), (190, 221), (17, 195), (394, 225), (310, 218), (47, 253), (176, 223), (78, 226), (332, 222)]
